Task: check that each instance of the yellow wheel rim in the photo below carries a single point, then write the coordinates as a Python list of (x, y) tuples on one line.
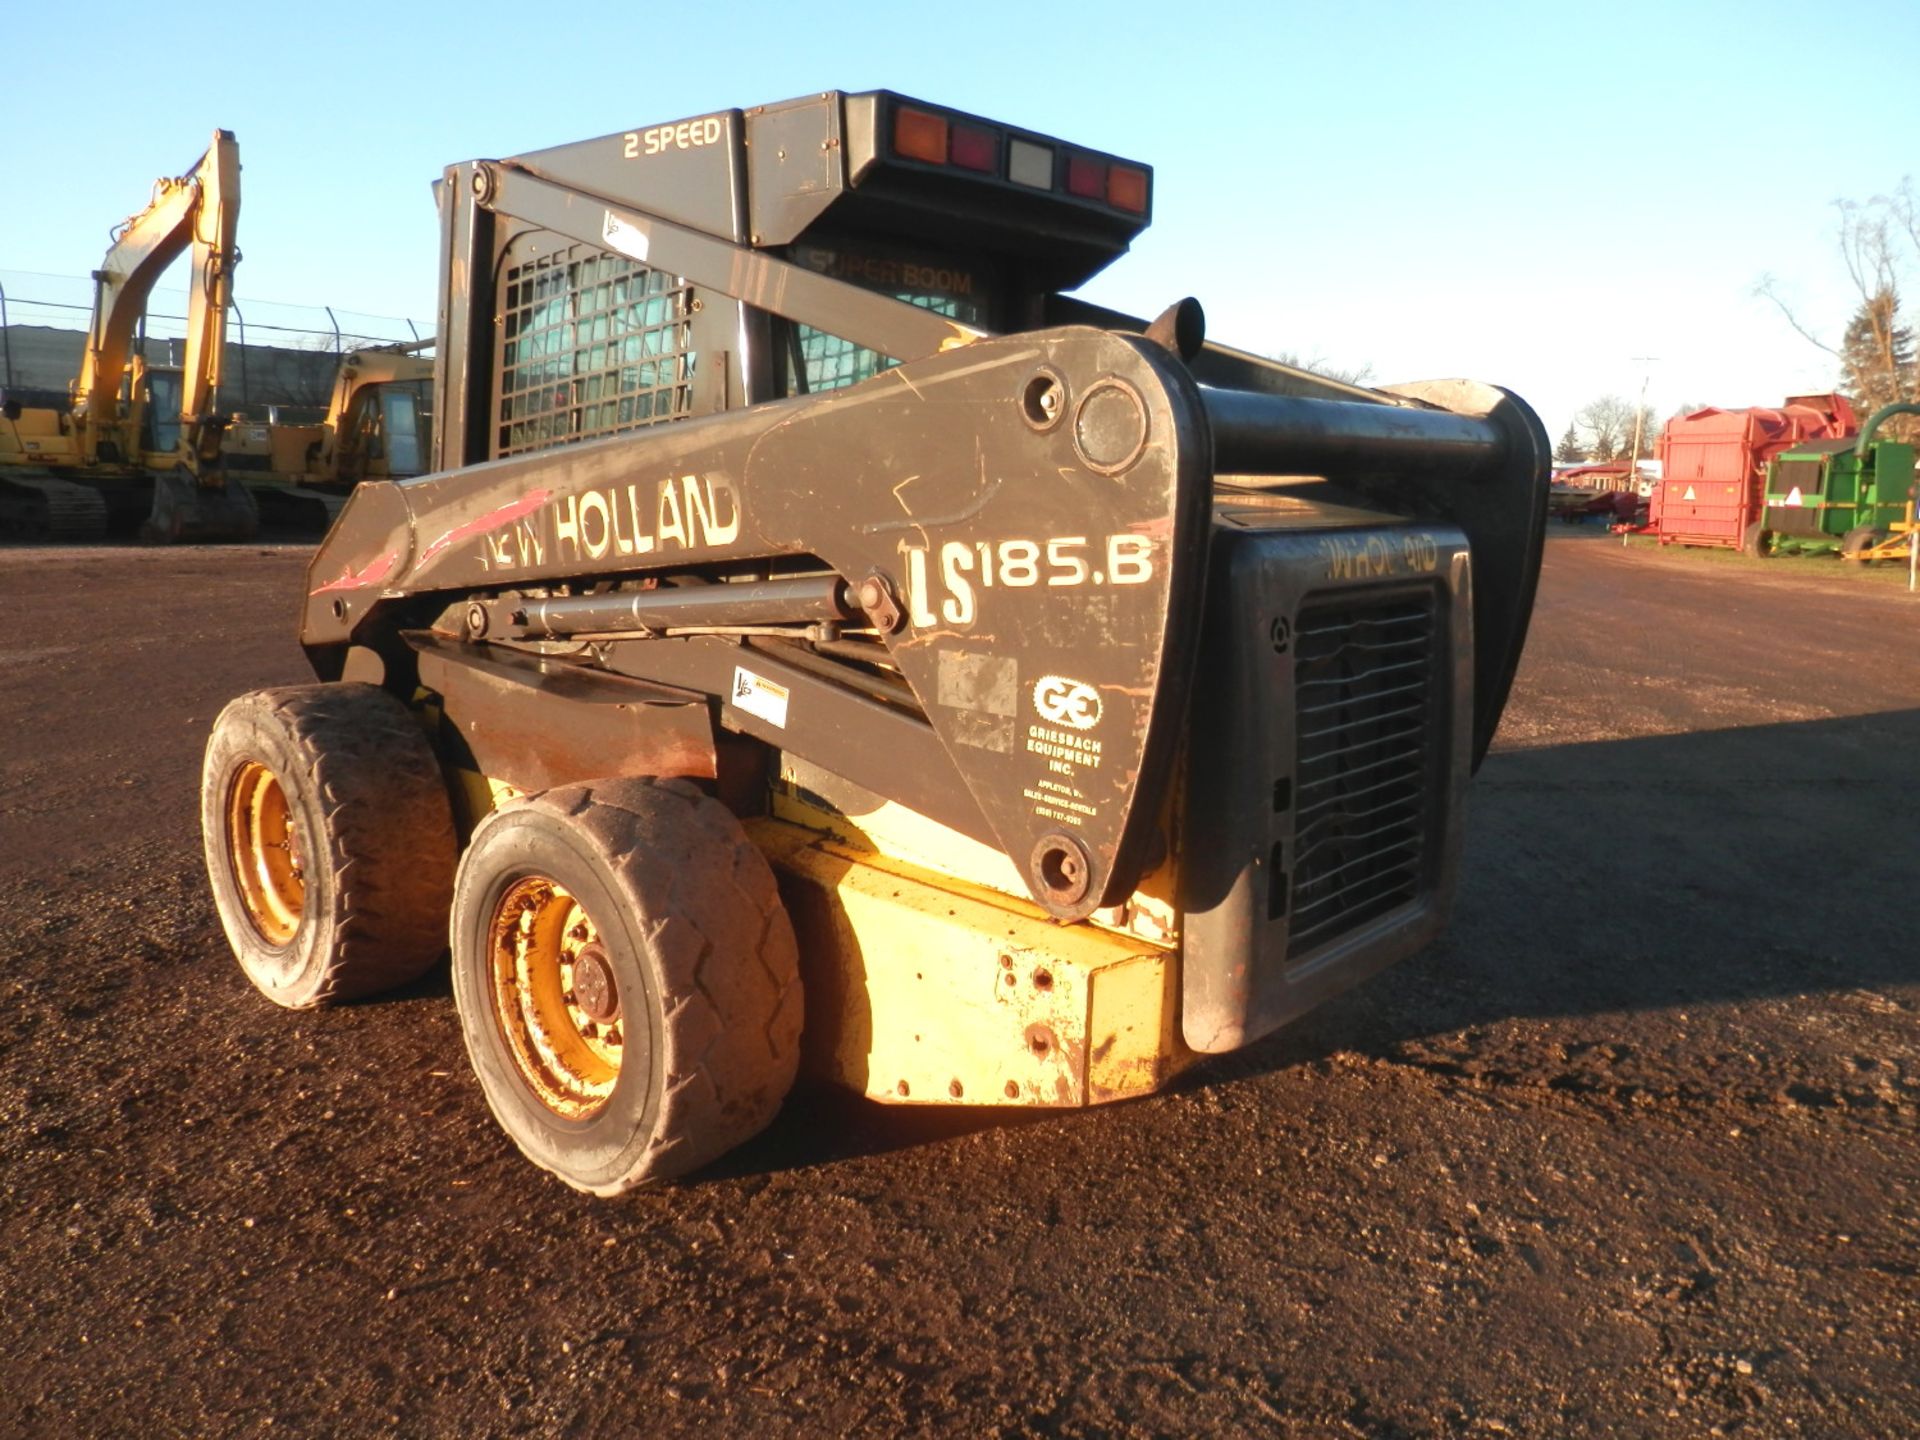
[(555, 997), (263, 846)]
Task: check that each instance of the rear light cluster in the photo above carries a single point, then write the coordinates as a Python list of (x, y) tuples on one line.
[(936, 140)]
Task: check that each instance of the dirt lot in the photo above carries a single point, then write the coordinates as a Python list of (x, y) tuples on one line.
[(1633, 1152)]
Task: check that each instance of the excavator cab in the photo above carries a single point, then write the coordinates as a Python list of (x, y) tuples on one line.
[(385, 433), (376, 426)]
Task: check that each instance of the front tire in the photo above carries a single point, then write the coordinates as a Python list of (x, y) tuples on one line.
[(329, 841), (1857, 540), (627, 980)]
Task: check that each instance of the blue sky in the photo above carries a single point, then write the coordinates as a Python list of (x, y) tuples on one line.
[(1529, 194)]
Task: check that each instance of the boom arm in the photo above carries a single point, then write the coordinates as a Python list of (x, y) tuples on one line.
[(200, 209)]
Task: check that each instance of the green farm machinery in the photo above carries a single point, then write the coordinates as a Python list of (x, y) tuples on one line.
[(1853, 495)]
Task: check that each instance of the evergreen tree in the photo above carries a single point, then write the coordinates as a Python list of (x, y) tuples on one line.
[(1570, 451), (1876, 355)]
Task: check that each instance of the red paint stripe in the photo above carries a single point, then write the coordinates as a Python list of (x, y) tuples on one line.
[(491, 521), (375, 572)]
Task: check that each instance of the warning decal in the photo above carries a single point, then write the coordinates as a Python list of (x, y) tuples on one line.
[(759, 697)]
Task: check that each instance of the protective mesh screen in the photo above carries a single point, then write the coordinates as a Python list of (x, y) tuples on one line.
[(591, 344), (830, 363), (816, 360)]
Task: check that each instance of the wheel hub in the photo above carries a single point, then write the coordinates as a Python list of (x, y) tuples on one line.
[(263, 853), (593, 985)]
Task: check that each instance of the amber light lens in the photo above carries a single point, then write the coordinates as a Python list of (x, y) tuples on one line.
[(1086, 177), (920, 136), (976, 149), (1127, 189)]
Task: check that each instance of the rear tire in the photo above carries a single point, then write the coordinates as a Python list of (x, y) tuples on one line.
[(1757, 541), (627, 980), (329, 841)]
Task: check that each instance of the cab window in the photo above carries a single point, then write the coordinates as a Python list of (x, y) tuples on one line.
[(163, 411), (815, 360)]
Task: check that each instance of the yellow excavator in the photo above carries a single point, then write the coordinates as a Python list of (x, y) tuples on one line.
[(377, 427), (139, 445)]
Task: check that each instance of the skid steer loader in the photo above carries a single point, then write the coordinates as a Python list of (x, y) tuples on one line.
[(810, 599)]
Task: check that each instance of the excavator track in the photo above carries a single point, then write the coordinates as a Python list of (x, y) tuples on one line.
[(48, 510)]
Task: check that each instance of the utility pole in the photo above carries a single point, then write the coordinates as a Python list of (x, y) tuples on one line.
[(1639, 411)]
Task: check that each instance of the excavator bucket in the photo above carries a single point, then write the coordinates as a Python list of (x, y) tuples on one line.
[(296, 509), (184, 510)]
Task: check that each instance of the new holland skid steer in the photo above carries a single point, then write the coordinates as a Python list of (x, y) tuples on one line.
[(810, 599)]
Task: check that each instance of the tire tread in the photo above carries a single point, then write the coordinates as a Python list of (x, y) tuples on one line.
[(389, 845), (731, 1006)]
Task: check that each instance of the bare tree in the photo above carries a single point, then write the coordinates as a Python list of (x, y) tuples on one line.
[(1604, 425), (1606, 428), (1879, 241), (1320, 365)]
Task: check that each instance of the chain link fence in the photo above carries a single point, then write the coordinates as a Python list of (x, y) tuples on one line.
[(276, 354)]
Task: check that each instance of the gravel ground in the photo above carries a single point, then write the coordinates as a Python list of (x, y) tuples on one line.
[(1632, 1151)]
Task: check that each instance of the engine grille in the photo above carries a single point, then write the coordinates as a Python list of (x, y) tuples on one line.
[(1366, 741)]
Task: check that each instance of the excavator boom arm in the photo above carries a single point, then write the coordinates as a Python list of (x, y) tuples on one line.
[(215, 221), (201, 210)]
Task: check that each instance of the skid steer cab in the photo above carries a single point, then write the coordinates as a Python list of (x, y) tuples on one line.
[(810, 600)]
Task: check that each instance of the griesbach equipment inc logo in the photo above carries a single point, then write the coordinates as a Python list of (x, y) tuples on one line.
[(1061, 701)]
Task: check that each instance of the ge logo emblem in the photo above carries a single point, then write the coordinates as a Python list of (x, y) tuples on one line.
[(1067, 702)]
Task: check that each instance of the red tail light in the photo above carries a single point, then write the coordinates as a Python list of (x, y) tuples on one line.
[(1086, 177), (976, 149)]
